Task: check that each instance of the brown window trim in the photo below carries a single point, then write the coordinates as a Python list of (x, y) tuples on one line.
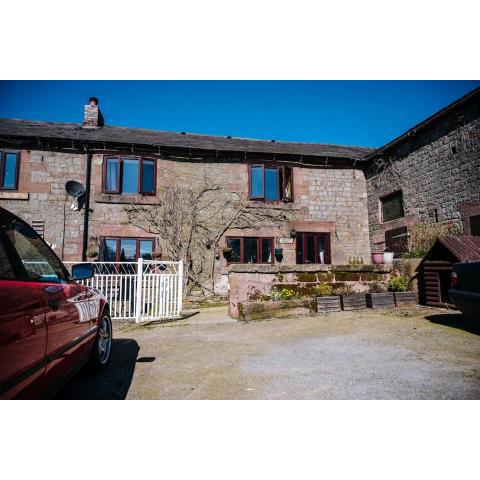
[(259, 249), (3, 153), (137, 245), (328, 252), (281, 191), (120, 160)]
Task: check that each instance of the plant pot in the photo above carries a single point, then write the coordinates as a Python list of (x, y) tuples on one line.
[(377, 258), (388, 258), (328, 304), (355, 301), (405, 298), (380, 300)]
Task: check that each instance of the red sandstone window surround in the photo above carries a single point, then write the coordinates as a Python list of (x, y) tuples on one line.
[(9, 168), (129, 175), (250, 249), (270, 183)]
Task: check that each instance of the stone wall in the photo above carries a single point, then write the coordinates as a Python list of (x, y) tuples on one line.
[(326, 200), (438, 171), (263, 282), (41, 196)]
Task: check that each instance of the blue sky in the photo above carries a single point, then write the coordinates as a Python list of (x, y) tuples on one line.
[(369, 113)]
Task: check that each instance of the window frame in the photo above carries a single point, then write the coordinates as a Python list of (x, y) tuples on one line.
[(316, 235), (137, 245), (3, 154), (259, 249), (280, 188), (120, 160), (386, 197)]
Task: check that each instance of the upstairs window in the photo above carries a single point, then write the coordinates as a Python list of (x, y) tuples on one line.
[(250, 250), (129, 175), (392, 206), (271, 183), (9, 170)]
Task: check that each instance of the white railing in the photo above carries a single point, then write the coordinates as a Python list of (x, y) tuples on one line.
[(139, 291)]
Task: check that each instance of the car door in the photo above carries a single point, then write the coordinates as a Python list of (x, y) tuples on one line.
[(23, 332), (68, 329)]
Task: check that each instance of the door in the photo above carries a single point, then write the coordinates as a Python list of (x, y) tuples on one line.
[(68, 326), (23, 333)]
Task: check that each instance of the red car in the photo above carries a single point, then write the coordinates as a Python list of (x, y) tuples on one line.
[(50, 325)]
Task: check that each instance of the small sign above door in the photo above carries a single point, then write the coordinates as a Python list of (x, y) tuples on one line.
[(285, 240)]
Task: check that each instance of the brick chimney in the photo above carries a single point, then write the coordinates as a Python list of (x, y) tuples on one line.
[(92, 116)]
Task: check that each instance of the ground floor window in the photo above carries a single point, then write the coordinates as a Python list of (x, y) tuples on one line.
[(250, 250), (475, 225), (313, 248), (126, 249)]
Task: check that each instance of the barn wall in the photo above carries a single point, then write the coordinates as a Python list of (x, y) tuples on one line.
[(438, 169)]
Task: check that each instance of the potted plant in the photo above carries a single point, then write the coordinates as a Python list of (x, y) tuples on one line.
[(377, 258), (400, 286), (279, 254), (92, 253), (388, 257), (378, 297), (350, 299), (326, 301), (156, 255), (227, 251)]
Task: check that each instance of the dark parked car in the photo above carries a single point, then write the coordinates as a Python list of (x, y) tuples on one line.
[(50, 325), (465, 291)]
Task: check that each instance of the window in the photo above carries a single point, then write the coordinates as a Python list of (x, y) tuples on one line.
[(9, 170), (39, 262), (271, 183), (126, 249), (392, 206), (475, 225), (129, 175), (250, 250), (313, 248)]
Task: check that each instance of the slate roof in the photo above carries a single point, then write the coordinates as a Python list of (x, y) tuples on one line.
[(137, 136)]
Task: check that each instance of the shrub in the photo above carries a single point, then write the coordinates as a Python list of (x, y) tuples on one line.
[(377, 287), (423, 236), (323, 290), (286, 294), (343, 290), (399, 284)]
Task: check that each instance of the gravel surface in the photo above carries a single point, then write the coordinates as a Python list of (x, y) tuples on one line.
[(416, 353)]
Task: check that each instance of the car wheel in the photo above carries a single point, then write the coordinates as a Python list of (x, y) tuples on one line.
[(100, 355)]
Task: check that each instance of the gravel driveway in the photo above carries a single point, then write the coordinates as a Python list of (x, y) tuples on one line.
[(418, 353)]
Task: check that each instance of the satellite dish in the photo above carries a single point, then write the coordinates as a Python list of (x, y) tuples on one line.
[(74, 189)]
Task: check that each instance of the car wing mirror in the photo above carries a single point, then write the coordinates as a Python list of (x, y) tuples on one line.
[(82, 271)]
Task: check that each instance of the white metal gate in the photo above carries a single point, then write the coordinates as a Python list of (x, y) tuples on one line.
[(139, 291)]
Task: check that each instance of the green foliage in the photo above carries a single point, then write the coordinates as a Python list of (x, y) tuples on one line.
[(343, 290), (377, 287), (423, 236), (323, 290), (286, 294), (399, 284)]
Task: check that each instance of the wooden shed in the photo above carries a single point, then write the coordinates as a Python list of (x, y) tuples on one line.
[(435, 268)]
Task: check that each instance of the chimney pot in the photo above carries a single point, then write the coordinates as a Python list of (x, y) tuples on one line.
[(92, 116)]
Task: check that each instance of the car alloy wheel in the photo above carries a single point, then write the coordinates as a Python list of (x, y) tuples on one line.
[(104, 341)]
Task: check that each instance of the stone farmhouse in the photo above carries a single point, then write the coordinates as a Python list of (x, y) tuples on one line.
[(301, 203)]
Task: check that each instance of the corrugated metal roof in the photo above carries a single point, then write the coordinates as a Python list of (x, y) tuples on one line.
[(464, 247)]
